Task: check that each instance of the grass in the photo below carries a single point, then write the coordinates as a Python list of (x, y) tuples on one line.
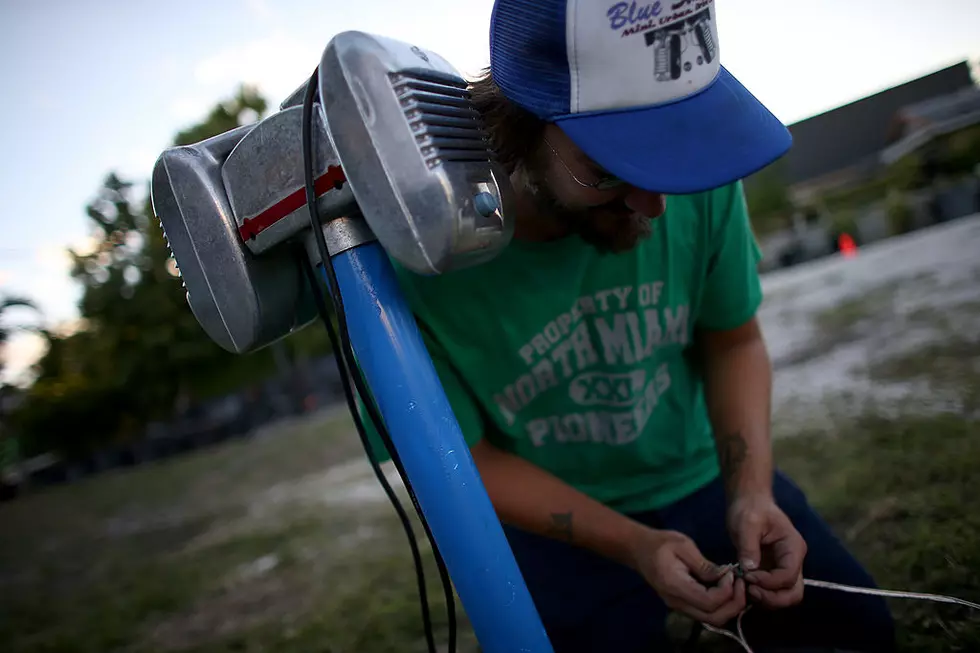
[(850, 319), (902, 493), (876, 303), (243, 548), (950, 367)]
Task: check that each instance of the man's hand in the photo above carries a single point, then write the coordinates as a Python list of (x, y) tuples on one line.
[(685, 580), (770, 550)]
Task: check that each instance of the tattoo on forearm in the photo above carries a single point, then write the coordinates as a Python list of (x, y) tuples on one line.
[(561, 526), (732, 452)]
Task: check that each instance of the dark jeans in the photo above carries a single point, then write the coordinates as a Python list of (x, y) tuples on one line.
[(588, 603)]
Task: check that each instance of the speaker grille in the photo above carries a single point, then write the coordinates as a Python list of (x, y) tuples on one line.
[(441, 116)]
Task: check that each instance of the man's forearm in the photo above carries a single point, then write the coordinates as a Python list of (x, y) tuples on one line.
[(533, 500), (738, 385)]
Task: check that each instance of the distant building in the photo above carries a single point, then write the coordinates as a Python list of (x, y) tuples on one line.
[(918, 125), (848, 144), (849, 147)]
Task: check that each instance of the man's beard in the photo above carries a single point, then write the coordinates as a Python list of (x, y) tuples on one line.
[(611, 228)]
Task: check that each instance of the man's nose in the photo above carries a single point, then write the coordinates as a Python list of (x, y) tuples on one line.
[(647, 204)]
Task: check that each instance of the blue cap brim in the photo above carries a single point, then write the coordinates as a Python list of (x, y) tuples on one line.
[(701, 142)]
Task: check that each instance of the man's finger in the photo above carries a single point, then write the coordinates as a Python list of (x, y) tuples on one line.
[(789, 563), (789, 554), (773, 580), (692, 593), (777, 600), (732, 608), (718, 617), (702, 568), (723, 591), (748, 539)]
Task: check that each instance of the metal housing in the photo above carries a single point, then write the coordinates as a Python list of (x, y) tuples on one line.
[(412, 146), (243, 302)]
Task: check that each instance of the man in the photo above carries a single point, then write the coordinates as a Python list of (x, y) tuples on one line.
[(607, 369)]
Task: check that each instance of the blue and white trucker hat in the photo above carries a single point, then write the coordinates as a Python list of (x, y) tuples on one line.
[(637, 86)]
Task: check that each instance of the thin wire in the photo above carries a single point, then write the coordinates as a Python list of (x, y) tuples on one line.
[(938, 598), (739, 636)]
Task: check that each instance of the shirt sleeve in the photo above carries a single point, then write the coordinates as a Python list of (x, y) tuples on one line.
[(733, 291), (461, 401)]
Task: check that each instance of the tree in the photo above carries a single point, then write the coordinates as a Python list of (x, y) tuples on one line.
[(141, 348), (9, 443), (237, 111), (6, 303), (768, 199)]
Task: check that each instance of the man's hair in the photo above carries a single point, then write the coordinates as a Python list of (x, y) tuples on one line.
[(514, 132)]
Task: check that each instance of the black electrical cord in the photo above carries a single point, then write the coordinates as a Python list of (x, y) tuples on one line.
[(321, 307), (348, 368)]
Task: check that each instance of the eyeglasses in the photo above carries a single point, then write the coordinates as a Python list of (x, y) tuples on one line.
[(605, 182)]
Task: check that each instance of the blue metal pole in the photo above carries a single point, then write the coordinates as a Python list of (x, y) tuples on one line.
[(424, 431)]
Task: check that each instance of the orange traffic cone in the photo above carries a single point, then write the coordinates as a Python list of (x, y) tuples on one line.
[(846, 245)]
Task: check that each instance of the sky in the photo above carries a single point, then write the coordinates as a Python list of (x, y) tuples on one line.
[(103, 85)]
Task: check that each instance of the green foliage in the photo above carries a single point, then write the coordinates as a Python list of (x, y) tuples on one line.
[(898, 211), (6, 303), (950, 156), (767, 196), (844, 221), (141, 348), (855, 197), (962, 151), (906, 173), (225, 116), (889, 184)]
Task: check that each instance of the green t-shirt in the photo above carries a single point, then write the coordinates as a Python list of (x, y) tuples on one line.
[(581, 363)]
